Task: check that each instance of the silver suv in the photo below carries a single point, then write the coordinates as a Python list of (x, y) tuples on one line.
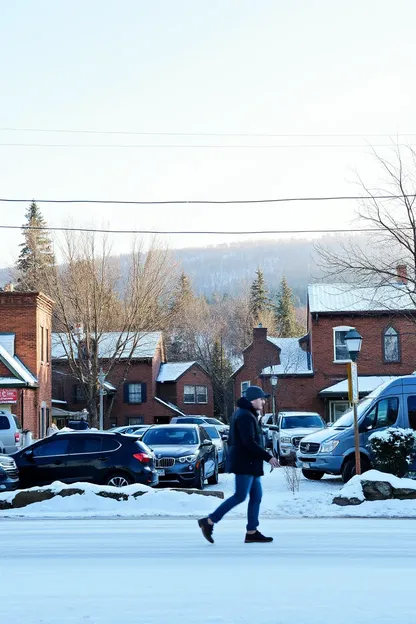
[(291, 428), (10, 433)]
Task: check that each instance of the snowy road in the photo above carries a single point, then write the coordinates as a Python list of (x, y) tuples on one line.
[(161, 570)]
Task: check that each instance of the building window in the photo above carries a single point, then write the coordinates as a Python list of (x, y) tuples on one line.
[(195, 394), (136, 420), (244, 386), (47, 345), (391, 347), (134, 393), (79, 394), (341, 353), (337, 409), (42, 344)]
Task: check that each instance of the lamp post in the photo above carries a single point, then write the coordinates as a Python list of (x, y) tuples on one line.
[(273, 381), (354, 341), (101, 380)]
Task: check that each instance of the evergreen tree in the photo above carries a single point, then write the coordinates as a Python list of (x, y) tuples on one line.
[(181, 340), (259, 297), (287, 325), (36, 259), (220, 370)]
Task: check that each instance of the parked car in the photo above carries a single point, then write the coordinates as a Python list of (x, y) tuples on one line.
[(266, 421), (130, 429), (184, 453), (10, 433), (201, 420), (220, 443), (9, 476), (291, 428), (331, 451), (93, 456)]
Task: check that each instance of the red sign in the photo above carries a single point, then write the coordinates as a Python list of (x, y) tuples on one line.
[(8, 395)]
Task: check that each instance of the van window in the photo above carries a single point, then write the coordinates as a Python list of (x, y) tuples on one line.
[(411, 410), (383, 414), (4, 422)]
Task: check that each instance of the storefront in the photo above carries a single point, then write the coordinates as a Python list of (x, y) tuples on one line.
[(8, 398)]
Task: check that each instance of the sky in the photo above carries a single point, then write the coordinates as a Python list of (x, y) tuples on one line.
[(299, 67)]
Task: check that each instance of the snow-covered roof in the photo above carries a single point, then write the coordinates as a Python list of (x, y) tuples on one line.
[(170, 406), (171, 371), (365, 385), (293, 359), (6, 382), (7, 341), (17, 367), (353, 298), (141, 345)]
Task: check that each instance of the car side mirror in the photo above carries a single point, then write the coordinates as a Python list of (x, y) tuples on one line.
[(224, 437), (28, 454), (274, 428), (206, 443)]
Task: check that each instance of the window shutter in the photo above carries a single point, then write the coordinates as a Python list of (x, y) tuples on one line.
[(144, 393), (126, 392)]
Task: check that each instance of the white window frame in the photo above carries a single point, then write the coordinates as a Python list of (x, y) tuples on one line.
[(188, 386), (198, 393), (340, 328), (395, 335), (331, 410), (243, 389), (135, 389)]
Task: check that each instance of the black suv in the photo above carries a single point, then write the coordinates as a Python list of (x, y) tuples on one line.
[(93, 456)]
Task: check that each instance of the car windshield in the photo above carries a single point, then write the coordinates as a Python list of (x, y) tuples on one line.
[(301, 422), (213, 421), (170, 435), (212, 432), (347, 419)]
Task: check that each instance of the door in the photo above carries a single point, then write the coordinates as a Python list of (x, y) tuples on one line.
[(44, 463), (382, 415), (85, 459), (209, 453)]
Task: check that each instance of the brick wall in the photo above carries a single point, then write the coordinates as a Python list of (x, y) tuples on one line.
[(24, 314), (195, 376)]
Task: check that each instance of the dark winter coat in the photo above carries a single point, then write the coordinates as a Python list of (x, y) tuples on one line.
[(246, 452)]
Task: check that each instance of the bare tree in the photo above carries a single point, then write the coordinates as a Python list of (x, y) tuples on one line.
[(390, 246), (101, 317)]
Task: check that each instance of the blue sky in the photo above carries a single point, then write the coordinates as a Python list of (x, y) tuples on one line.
[(225, 66)]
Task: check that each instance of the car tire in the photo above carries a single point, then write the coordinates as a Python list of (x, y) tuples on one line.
[(199, 479), (118, 479), (348, 470), (313, 475), (213, 480)]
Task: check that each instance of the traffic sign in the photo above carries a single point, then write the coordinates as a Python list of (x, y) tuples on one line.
[(353, 392)]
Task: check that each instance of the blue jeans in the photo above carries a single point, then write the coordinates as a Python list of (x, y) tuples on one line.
[(244, 485)]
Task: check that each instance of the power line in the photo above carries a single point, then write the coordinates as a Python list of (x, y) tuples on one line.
[(206, 146), (206, 134), (206, 201), (194, 232)]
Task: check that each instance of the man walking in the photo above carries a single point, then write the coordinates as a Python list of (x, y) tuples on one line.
[(246, 455)]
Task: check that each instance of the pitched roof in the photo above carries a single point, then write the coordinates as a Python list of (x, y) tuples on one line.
[(17, 367), (353, 298), (365, 385), (140, 346), (170, 406), (293, 359), (171, 371)]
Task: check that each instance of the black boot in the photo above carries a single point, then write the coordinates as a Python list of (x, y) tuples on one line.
[(257, 537), (207, 529)]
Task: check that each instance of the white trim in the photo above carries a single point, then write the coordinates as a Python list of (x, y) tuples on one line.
[(339, 328), (241, 386)]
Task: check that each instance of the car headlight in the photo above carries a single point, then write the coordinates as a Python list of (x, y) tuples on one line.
[(285, 440), (188, 459), (328, 447)]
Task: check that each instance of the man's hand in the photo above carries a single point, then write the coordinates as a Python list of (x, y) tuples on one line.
[(273, 462)]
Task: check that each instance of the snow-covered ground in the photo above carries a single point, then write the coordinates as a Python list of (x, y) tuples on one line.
[(162, 570), (314, 499)]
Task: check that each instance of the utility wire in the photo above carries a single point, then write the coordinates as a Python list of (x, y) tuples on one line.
[(206, 201), (207, 146), (212, 232), (205, 134)]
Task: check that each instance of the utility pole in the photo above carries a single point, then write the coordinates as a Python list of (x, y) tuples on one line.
[(101, 380)]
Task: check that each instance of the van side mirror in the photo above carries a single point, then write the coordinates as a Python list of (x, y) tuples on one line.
[(274, 428)]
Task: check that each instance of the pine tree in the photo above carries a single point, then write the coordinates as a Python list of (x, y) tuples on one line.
[(220, 370), (180, 344), (36, 259), (259, 297), (287, 325)]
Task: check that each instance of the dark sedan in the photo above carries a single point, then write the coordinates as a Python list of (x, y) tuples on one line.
[(9, 476), (93, 456), (184, 453)]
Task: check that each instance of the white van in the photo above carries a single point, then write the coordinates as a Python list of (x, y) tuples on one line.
[(10, 433)]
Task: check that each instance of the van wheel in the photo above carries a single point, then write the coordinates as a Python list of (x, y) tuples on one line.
[(348, 471), (313, 475)]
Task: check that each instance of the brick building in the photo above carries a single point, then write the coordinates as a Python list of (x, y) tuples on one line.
[(25, 358), (145, 390), (311, 370)]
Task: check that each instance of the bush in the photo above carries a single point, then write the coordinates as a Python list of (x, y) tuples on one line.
[(392, 449)]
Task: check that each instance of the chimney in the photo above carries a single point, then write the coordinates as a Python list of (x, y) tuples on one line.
[(260, 333), (401, 270)]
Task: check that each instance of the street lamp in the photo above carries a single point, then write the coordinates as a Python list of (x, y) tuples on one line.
[(273, 381), (354, 341)]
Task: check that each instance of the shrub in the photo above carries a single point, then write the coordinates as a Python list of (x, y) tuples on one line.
[(392, 449)]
